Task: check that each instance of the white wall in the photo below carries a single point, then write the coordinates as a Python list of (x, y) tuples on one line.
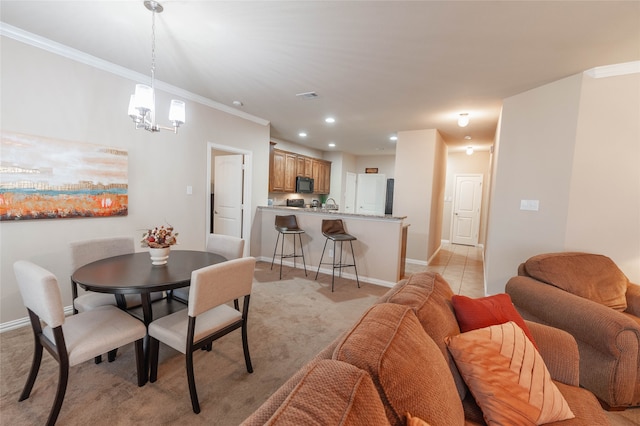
[(419, 189), (54, 97), (386, 164), (574, 146)]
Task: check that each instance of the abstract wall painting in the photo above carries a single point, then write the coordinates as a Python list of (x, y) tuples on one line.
[(44, 178)]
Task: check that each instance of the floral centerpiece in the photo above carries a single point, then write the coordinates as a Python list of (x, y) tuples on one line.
[(159, 237)]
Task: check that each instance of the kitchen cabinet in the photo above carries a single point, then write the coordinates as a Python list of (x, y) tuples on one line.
[(286, 166), (321, 176)]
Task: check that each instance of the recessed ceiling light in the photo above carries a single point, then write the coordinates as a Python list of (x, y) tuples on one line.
[(330, 120), (238, 103), (468, 138), (332, 145), (302, 134), (393, 138), (463, 119)]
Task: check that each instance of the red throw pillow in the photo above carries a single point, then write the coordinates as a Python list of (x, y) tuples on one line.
[(473, 314)]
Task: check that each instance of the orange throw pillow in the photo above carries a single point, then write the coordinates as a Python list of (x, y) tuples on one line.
[(487, 311), (507, 376)]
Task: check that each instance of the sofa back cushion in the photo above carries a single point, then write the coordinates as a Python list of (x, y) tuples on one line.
[(591, 276), (332, 393), (406, 366), (429, 295)]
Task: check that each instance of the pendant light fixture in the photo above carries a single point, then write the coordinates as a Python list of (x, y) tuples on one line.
[(142, 104), (463, 119)]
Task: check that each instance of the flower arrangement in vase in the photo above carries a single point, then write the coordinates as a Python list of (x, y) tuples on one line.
[(159, 240)]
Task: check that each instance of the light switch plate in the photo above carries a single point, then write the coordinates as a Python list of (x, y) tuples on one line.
[(189, 190), (531, 205)]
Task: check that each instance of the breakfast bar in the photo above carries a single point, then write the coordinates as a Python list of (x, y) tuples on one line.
[(378, 249)]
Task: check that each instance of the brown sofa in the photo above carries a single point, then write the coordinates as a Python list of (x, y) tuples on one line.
[(589, 297), (394, 361)]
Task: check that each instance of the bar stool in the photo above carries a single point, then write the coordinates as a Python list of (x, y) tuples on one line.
[(288, 225), (333, 229)]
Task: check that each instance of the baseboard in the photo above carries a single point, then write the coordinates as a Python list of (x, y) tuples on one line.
[(22, 322), (416, 262), (351, 276)]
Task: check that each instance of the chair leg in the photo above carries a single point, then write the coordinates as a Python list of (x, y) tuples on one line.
[(245, 347), (97, 359), (33, 373), (63, 378), (321, 256), (281, 254), (154, 348), (333, 265), (192, 383), (302, 251), (142, 375), (274, 251), (236, 304), (111, 355), (354, 263)]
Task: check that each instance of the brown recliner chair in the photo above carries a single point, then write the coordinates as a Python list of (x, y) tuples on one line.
[(588, 296)]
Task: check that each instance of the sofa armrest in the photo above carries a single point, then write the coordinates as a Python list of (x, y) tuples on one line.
[(633, 299), (559, 351), (601, 327)]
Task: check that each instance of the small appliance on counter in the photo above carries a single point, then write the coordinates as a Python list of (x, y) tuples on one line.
[(295, 202)]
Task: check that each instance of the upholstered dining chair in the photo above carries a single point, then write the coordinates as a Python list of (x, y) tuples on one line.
[(227, 246), (207, 317), (75, 339), (87, 251)]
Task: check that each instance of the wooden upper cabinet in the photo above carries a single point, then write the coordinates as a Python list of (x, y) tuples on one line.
[(276, 171), (286, 166), (290, 163)]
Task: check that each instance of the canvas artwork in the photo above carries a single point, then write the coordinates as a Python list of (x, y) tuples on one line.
[(44, 178)]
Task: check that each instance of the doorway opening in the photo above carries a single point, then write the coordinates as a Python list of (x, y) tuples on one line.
[(229, 199)]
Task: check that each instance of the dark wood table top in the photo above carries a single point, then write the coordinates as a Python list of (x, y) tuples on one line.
[(134, 273)]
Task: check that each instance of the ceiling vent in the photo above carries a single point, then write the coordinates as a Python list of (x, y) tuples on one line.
[(307, 95)]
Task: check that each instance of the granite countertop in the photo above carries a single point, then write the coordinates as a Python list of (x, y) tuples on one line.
[(319, 210)]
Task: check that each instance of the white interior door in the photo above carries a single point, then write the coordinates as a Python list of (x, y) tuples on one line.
[(227, 201), (370, 196), (467, 200), (350, 193)]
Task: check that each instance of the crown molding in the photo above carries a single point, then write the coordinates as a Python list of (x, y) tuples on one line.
[(614, 70), (59, 49)]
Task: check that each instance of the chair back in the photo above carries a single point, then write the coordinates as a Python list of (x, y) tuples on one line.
[(87, 251), (40, 292), (225, 245), (284, 223), (333, 227), (214, 285)]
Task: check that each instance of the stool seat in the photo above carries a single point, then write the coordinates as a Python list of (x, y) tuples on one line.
[(333, 229), (288, 225)]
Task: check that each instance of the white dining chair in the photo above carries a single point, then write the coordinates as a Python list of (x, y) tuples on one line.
[(226, 246), (87, 251), (207, 317), (75, 339)]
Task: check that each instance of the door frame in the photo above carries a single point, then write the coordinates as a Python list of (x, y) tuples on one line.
[(246, 190)]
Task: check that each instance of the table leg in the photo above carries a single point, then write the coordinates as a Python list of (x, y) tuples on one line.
[(145, 299)]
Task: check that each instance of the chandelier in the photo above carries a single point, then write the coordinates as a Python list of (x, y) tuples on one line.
[(142, 104)]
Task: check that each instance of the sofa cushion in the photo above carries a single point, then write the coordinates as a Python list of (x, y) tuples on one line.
[(487, 311), (332, 393), (592, 276), (507, 376), (429, 295), (406, 366)]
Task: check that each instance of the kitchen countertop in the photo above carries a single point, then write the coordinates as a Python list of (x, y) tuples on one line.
[(319, 210)]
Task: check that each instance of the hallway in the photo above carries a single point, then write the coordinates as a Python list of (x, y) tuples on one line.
[(461, 266)]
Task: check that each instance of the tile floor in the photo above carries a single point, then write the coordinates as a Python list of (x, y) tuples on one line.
[(460, 265)]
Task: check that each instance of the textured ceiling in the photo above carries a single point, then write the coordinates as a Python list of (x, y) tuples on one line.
[(378, 67)]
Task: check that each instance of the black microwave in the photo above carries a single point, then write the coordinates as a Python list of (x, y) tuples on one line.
[(304, 185)]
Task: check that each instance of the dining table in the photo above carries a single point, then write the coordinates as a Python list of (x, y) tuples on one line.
[(134, 274)]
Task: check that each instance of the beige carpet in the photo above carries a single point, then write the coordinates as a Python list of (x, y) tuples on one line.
[(289, 322)]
